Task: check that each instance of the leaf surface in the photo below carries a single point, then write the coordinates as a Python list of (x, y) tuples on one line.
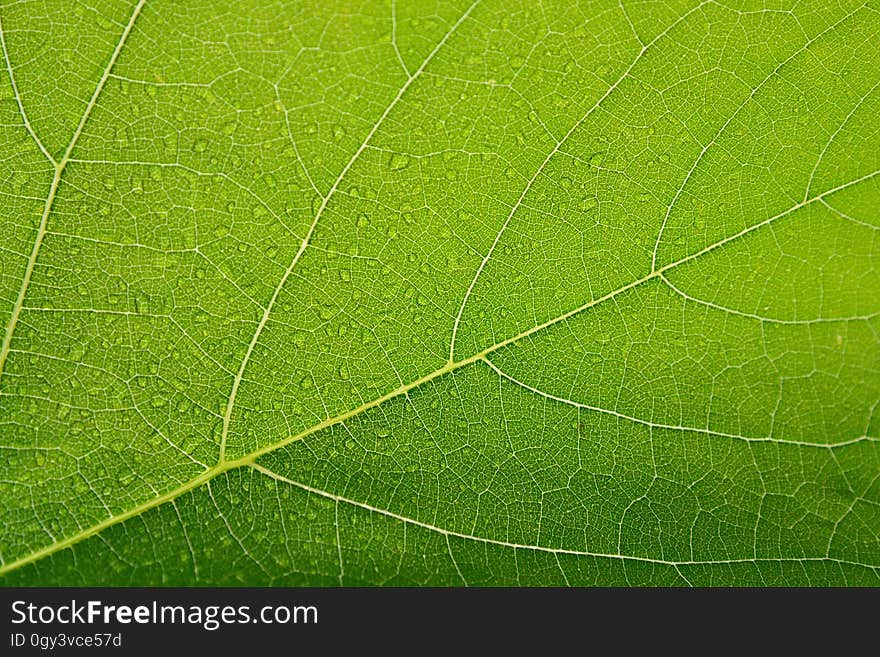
[(439, 293)]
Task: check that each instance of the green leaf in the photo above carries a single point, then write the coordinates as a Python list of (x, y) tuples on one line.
[(440, 293)]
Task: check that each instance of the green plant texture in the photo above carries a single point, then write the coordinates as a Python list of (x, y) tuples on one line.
[(439, 292)]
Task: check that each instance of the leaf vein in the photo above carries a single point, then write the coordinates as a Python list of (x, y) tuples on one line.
[(673, 427), (541, 548)]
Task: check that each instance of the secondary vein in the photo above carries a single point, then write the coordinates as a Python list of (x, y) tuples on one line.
[(56, 181), (227, 415)]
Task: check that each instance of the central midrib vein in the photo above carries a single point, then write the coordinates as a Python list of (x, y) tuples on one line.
[(251, 457)]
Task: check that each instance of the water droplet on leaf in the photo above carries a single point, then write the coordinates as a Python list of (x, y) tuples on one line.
[(398, 161)]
